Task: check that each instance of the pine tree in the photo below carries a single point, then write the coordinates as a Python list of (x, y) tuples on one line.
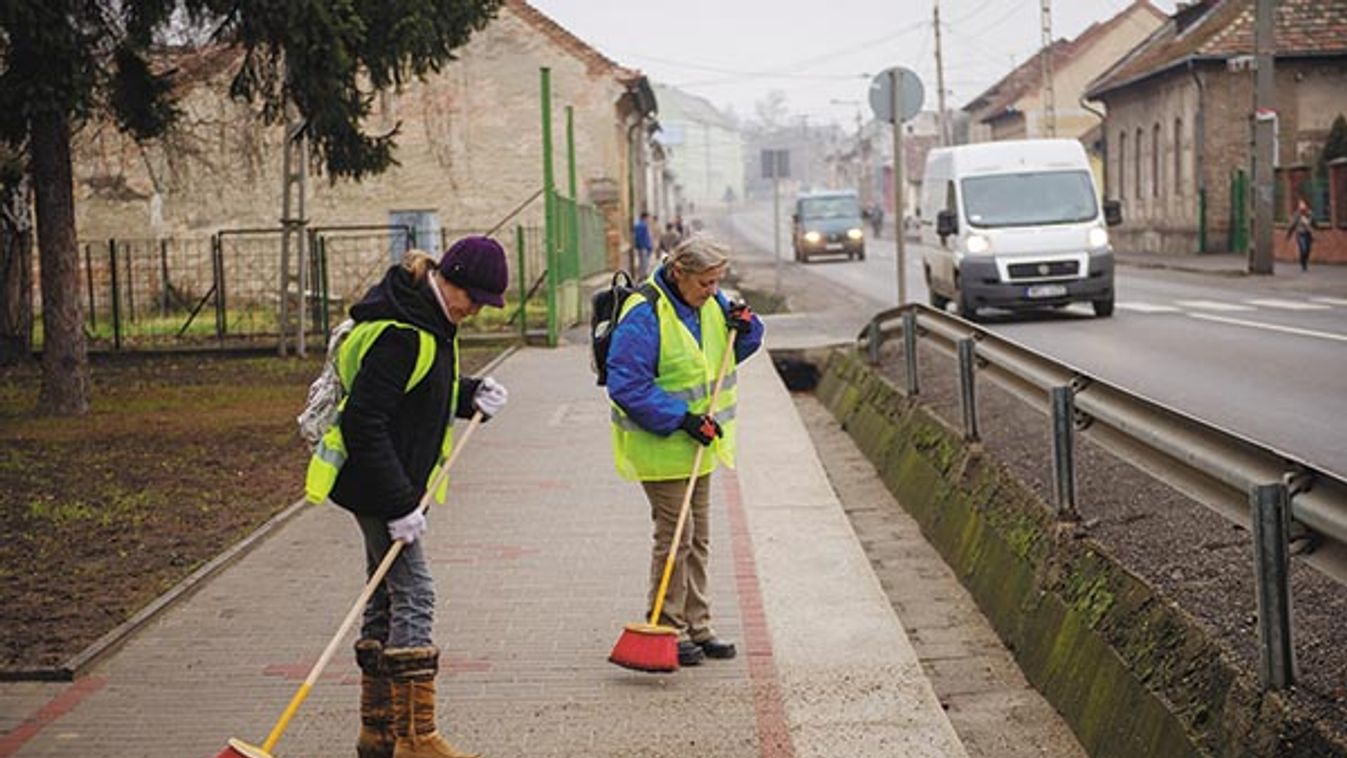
[(64, 61)]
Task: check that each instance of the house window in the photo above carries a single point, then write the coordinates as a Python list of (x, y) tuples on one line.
[(1155, 160), (1122, 166), (1178, 157), (1137, 168)]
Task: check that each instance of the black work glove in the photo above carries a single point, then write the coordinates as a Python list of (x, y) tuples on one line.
[(740, 318), (702, 428)]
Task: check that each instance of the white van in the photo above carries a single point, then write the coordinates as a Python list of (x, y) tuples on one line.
[(1015, 224)]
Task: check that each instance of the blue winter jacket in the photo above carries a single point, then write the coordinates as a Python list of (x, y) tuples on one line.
[(633, 356), (642, 236)]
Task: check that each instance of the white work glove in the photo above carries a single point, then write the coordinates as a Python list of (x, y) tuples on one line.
[(491, 397), (408, 528)]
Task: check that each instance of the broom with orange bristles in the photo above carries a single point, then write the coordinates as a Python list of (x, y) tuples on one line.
[(648, 646), (237, 748)]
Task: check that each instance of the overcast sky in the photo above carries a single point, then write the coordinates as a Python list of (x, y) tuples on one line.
[(733, 52)]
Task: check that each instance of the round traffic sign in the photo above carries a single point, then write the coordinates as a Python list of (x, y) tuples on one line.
[(881, 94)]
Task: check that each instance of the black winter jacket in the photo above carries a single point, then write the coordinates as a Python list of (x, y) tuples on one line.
[(393, 438)]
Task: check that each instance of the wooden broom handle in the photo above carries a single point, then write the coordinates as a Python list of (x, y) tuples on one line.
[(394, 551), (692, 485)]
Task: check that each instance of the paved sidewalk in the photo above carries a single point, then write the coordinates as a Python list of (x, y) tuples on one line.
[(1321, 278), (539, 558)]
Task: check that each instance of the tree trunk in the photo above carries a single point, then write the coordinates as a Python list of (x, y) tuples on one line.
[(16, 273), (65, 350)]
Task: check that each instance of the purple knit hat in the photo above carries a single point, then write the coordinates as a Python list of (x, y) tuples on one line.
[(477, 264)]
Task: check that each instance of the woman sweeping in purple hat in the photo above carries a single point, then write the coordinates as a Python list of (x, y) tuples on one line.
[(395, 430)]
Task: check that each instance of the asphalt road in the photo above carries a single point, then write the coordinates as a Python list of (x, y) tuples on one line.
[(1263, 358)]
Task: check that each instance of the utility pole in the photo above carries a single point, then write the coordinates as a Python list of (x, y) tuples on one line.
[(1264, 122), (1049, 103), (940, 80)]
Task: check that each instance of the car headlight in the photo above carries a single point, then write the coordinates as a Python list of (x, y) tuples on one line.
[(855, 234), (1098, 237), (977, 243), (813, 237)]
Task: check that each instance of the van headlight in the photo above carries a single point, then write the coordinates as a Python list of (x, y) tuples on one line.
[(1098, 238), (976, 244), (855, 234), (813, 238)]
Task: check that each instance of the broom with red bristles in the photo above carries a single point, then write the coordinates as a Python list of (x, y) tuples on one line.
[(237, 748), (649, 646)]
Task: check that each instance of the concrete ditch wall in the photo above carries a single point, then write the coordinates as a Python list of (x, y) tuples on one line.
[(1132, 674)]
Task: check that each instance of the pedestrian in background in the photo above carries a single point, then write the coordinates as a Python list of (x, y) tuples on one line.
[(641, 241), (394, 432), (668, 240), (662, 366), (1302, 227)]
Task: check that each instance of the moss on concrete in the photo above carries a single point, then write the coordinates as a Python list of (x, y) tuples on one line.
[(1132, 674)]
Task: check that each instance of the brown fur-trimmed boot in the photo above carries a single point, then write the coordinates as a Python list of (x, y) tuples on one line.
[(413, 670), (376, 701)]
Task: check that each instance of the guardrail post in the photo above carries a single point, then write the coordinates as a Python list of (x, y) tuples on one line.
[(967, 397), (910, 351), (1063, 467), (872, 346), (1271, 529)]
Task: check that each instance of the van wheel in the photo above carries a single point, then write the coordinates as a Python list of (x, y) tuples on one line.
[(1103, 308), (937, 300), (965, 307)]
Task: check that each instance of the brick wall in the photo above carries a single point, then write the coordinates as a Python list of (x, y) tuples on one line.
[(1161, 210), (469, 146)]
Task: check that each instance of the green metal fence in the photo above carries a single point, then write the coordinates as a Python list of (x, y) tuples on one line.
[(223, 291)]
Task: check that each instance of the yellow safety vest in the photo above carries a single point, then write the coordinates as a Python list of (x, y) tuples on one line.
[(330, 455), (688, 371)]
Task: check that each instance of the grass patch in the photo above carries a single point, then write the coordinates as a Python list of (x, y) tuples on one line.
[(179, 457)]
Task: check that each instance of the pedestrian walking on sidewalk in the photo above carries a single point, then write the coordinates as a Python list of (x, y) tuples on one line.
[(662, 365), (1302, 226), (395, 430), (668, 240), (642, 242)]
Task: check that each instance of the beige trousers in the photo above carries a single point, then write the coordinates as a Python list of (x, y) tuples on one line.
[(686, 606)]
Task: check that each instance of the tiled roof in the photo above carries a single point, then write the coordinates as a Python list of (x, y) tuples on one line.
[(596, 62), (1220, 29), (993, 103)]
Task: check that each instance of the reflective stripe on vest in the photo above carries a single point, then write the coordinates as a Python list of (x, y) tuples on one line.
[(687, 371), (330, 455)]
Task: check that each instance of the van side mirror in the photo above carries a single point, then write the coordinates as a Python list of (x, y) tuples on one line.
[(1112, 212), (795, 218), (946, 223)]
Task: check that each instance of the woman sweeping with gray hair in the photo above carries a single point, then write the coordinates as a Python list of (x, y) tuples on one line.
[(662, 365)]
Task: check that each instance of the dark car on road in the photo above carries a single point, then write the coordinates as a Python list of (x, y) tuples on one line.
[(828, 223)]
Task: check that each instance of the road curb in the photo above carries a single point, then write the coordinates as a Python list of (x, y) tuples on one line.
[(1228, 273)]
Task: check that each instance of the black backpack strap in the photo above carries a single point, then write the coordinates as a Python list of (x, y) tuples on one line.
[(651, 293)]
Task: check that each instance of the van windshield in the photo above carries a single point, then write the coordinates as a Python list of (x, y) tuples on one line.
[(830, 207), (1031, 199)]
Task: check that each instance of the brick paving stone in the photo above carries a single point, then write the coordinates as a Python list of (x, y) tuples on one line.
[(540, 558)]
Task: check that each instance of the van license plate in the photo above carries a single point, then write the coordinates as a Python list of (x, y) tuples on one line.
[(1045, 290), (834, 246)]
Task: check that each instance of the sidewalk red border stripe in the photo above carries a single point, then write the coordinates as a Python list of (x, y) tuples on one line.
[(54, 709), (773, 732)]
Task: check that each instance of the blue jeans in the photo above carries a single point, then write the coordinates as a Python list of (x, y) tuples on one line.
[(401, 611)]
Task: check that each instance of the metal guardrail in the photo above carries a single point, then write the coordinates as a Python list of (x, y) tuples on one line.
[(1291, 507)]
